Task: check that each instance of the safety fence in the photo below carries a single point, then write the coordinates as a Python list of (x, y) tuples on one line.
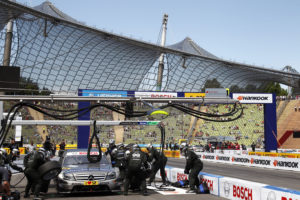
[(233, 188), (254, 161)]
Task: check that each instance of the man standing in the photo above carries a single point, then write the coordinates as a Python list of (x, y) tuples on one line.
[(193, 167), (62, 147), (159, 161)]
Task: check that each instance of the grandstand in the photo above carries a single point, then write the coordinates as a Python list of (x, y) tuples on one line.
[(289, 121), (249, 128)]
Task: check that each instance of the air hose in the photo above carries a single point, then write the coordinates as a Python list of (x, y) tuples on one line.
[(93, 158), (162, 144)]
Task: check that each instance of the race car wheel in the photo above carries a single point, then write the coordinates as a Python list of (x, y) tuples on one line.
[(49, 170)]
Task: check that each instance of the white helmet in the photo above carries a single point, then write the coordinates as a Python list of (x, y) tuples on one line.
[(149, 147), (127, 153), (111, 141), (3, 151), (15, 151), (114, 151)]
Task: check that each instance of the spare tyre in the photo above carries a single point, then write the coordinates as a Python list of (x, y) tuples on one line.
[(49, 170)]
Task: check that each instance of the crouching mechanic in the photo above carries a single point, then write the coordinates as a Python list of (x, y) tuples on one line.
[(159, 161), (136, 169), (4, 171), (34, 180), (193, 167)]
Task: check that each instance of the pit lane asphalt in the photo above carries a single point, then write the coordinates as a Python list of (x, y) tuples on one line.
[(107, 196), (275, 177)]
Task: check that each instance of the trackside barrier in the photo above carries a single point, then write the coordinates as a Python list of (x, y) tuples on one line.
[(255, 161), (284, 155), (172, 154), (271, 192), (232, 188), (21, 150), (237, 189)]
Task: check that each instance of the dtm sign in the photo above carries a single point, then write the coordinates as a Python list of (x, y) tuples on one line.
[(253, 98)]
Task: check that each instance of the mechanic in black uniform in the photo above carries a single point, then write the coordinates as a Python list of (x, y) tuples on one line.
[(159, 161), (9, 159), (34, 179), (48, 146), (4, 173), (13, 144), (193, 167), (136, 168), (118, 155), (111, 147), (62, 148)]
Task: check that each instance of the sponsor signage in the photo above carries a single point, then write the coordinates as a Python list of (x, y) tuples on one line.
[(292, 164), (216, 92), (18, 129), (177, 174), (193, 95), (253, 98), (232, 188), (223, 158), (104, 93), (209, 157), (156, 94), (212, 182), (285, 164), (260, 161), (240, 160)]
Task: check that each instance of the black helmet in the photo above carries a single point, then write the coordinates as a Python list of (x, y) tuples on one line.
[(185, 150)]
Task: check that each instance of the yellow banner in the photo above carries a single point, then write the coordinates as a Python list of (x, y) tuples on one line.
[(194, 94)]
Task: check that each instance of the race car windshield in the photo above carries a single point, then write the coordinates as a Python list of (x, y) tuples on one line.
[(82, 159)]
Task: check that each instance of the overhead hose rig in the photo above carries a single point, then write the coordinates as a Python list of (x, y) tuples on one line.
[(128, 111)]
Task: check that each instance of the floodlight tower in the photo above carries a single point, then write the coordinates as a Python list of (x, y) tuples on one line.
[(289, 70), (6, 55), (161, 58)]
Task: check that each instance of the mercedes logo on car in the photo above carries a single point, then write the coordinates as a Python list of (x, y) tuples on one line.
[(91, 177)]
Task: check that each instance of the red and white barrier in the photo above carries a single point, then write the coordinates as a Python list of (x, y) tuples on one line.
[(275, 193), (237, 189), (232, 188)]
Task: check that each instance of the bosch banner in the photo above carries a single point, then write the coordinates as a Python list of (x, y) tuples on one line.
[(232, 188)]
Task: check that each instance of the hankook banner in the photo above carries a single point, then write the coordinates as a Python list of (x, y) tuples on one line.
[(253, 98)]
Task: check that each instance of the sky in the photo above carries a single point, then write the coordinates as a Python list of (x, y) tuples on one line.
[(265, 33)]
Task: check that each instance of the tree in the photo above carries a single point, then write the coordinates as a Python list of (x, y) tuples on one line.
[(274, 87), (213, 83), (235, 89), (29, 88)]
